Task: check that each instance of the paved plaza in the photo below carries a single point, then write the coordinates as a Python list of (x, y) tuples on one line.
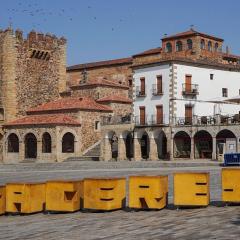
[(213, 222)]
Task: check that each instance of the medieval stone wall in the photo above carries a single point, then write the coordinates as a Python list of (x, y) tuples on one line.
[(117, 73), (32, 70), (99, 91)]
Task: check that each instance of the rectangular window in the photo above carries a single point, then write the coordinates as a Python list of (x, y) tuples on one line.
[(159, 84), (142, 87), (211, 76), (224, 92), (142, 116), (159, 118)]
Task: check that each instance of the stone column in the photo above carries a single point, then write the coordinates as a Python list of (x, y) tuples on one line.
[(170, 147), (121, 149), (214, 147), (153, 154), (107, 151), (192, 149), (137, 150), (21, 151), (39, 151)]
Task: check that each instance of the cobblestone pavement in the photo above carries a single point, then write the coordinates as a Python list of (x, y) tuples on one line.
[(213, 222)]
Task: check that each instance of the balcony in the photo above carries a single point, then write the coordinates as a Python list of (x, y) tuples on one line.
[(208, 120), (190, 89), (113, 120), (149, 120), (140, 92), (156, 91)]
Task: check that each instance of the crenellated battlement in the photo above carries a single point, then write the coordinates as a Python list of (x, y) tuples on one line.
[(34, 38)]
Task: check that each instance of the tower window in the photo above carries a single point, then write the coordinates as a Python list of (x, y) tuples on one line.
[(178, 46), (189, 44), (211, 76), (168, 47)]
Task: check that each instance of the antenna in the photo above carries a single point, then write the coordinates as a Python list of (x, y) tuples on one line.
[(192, 26)]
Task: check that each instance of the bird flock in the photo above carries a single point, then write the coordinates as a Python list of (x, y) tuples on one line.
[(39, 15)]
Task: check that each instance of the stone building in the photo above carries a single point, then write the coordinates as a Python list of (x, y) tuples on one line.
[(44, 117), (182, 107)]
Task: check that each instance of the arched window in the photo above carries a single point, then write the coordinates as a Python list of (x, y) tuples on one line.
[(189, 44), (68, 143), (168, 47), (178, 46), (216, 47), (30, 142), (46, 143), (209, 46), (13, 143), (202, 44)]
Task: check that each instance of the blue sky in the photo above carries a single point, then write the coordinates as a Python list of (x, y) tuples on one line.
[(107, 29)]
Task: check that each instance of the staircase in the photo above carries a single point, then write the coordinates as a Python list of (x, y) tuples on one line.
[(93, 154)]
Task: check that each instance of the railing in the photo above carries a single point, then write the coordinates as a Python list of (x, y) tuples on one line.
[(156, 91), (190, 89), (139, 92), (208, 120), (180, 121), (149, 120), (111, 120)]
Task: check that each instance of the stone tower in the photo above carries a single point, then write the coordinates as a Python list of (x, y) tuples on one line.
[(32, 71)]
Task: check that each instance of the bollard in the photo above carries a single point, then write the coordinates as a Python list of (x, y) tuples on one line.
[(191, 189), (25, 197), (2, 200), (148, 192), (63, 195), (104, 194), (231, 185)]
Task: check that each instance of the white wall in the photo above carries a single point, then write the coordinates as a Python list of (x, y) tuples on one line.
[(151, 101), (209, 90)]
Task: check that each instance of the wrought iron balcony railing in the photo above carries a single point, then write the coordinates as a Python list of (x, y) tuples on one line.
[(112, 120), (156, 90), (140, 92), (190, 89)]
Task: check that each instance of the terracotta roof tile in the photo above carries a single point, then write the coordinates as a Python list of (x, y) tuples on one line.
[(191, 32), (44, 119), (149, 52), (115, 98), (100, 64), (70, 103), (100, 82)]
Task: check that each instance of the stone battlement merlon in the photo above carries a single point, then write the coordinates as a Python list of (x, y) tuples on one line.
[(34, 37)]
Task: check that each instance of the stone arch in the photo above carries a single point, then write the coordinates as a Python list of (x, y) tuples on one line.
[(161, 142), (13, 143), (182, 145), (168, 47), (128, 141), (46, 143), (189, 43), (145, 145), (68, 143), (113, 141), (30, 143), (179, 46), (226, 141), (203, 144)]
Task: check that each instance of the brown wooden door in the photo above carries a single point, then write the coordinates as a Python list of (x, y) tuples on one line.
[(188, 83), (188, 114), (159, 114), (142, 116), (142, 86), (159, 84)]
